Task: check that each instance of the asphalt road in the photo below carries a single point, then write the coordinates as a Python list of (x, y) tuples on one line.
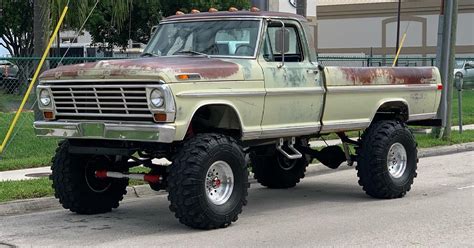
[(327, 209)]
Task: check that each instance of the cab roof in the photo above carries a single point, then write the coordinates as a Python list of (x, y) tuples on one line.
[(228, 14)]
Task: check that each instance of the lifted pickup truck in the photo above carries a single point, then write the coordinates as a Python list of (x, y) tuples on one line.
[(212, 88)]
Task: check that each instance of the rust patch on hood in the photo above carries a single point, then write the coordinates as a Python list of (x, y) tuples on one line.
[(208, 68), (387, 75)]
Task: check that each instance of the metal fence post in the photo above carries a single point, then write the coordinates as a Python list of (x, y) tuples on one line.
[(459, 85)]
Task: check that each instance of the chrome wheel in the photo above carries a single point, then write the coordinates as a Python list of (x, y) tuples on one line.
[(219, 182), (397, 160)]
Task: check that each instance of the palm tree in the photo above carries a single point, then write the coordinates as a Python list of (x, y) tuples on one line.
[(80, 9)]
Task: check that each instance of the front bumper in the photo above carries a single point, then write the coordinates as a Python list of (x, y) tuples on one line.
[(162, 133)]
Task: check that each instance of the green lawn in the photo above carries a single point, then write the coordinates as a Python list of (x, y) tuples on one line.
[(425, 141), (25, 189), (467, 107), (35, 188), (25, 150), (11, 102)]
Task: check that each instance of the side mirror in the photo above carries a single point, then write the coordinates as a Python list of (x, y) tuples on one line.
[(153, 30), (282, 40)]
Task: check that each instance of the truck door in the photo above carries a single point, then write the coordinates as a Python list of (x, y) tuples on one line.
[(294, 92)]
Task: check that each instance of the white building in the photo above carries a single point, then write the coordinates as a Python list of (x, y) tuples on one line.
[(362, 27)]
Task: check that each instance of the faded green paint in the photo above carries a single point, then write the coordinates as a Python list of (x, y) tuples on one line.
[(271, 100)]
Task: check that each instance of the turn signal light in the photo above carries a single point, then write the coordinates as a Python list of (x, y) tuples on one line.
[(188, 76), (440, 86), (195, 11), (212, 10), (182, 77), (179, 12), (48, 115), (233, 9), (159, 117)]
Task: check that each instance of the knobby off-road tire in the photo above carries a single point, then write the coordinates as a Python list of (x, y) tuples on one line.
[(273, 170), (76, 186), (208, 182), (381, 169)]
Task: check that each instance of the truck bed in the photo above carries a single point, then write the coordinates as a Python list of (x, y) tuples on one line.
[(355, 94)]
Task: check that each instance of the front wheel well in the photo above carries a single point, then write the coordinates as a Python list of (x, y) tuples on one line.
[(217, 118)]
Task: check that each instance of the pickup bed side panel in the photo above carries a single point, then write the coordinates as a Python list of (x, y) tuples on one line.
[(354, 94)]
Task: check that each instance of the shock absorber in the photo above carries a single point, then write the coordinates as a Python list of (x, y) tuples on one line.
[(150, 178)]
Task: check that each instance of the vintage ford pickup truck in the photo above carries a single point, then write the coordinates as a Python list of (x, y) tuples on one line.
[(212, 88)]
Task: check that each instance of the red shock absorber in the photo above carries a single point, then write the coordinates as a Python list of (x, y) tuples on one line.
[(150, 178)]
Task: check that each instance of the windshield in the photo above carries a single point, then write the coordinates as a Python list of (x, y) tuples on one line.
[(230, 38), (459, 64)]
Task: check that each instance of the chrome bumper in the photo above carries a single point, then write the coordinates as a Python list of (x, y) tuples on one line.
[(162, 133)]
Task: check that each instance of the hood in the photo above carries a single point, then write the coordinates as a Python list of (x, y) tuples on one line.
[(210, 69)]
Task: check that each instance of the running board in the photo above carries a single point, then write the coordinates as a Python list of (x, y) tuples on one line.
[(296, 155)]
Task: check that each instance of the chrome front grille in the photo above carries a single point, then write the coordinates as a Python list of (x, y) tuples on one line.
[(101, 102)]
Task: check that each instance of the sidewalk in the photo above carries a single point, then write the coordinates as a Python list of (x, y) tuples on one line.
[(35, 173)]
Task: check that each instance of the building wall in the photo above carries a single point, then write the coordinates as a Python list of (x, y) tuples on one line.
[(361, 29), (286, 6)]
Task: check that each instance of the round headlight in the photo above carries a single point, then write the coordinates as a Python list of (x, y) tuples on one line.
[(45, 97), (156, 98)]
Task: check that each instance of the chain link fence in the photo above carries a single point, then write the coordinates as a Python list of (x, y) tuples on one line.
[(372, 61), (24, 149)]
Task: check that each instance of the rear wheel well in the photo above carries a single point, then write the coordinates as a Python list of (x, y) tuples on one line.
[(217, 118), (395, 110)]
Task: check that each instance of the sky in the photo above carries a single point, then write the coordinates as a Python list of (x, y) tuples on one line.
[(3, 51)]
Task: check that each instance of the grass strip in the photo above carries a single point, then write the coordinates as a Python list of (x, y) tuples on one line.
[(34, 188), (25, 150), (25, 189)]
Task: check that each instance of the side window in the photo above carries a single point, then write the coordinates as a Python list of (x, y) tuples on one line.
[(293, 51), (469, 65)]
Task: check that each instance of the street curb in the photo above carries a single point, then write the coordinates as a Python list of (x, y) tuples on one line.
[(134, 192), (445, 150)]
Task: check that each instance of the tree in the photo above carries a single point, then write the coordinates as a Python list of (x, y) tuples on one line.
[(142, 16), (170, 7), (110, 22), (16, 29)]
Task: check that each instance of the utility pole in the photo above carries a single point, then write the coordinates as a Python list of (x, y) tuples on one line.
[(41, 14), (398, 28), (453, 8), (301, 6), (445, 62)]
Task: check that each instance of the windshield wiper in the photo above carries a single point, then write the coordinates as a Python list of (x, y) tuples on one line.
[(148, 55), (194, 53)]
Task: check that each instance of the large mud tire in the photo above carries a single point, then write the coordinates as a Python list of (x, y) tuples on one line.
[(384, 147), (191, 177), (271, 169), (76, 186)]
